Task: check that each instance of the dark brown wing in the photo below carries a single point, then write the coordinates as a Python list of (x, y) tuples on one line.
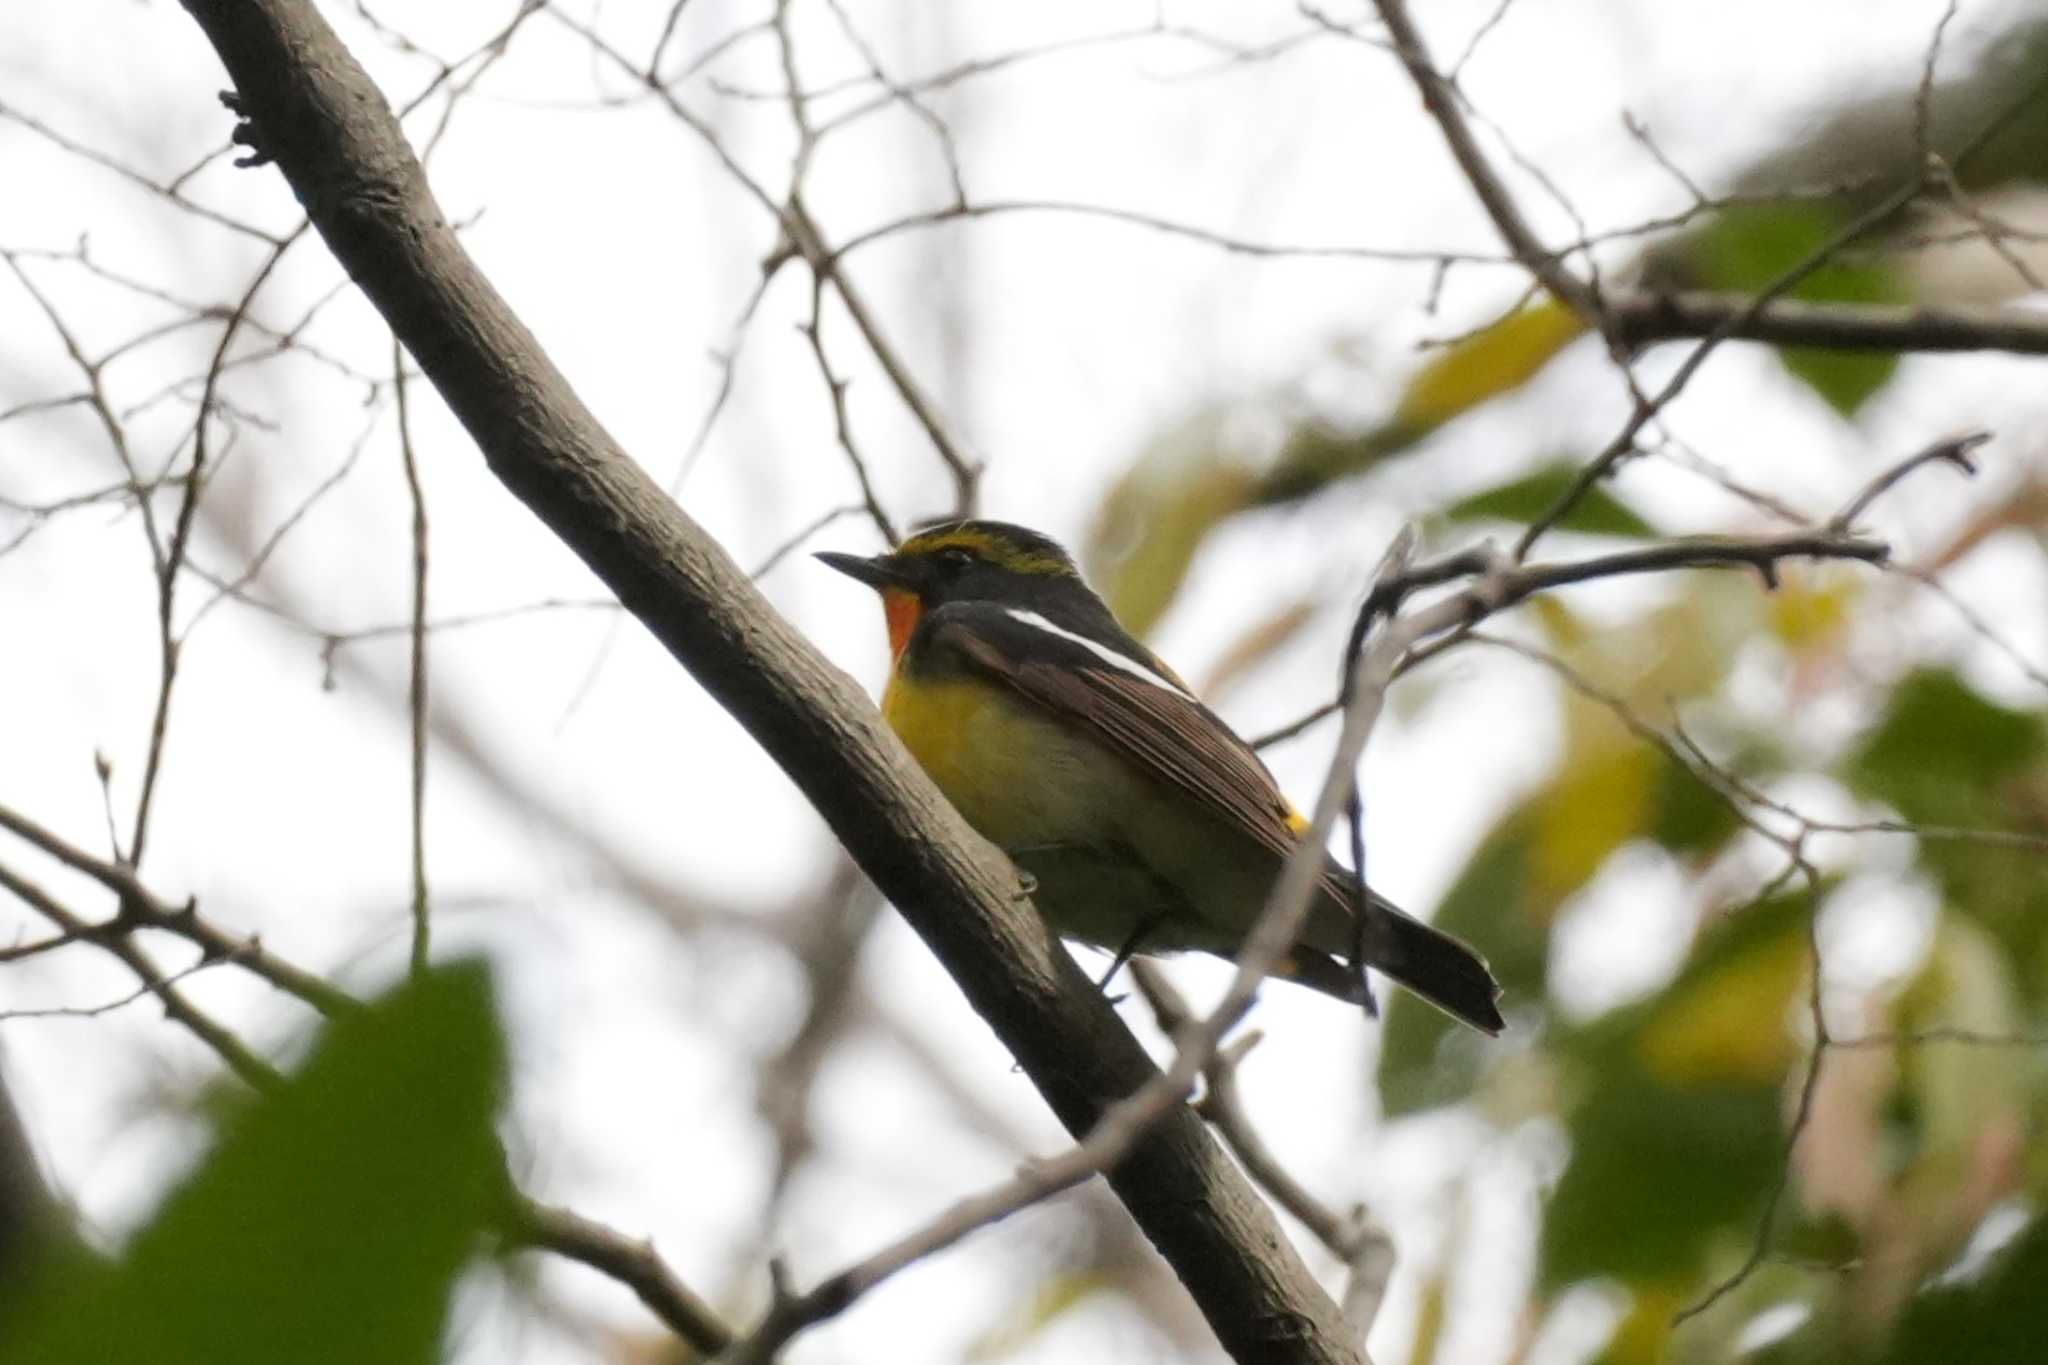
[(1138, 710), (1116, 689)]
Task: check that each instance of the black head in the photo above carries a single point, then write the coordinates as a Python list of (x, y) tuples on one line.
[(963, 561)]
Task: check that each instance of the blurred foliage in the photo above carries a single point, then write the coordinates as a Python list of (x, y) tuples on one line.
[(1053, 1299), (1750, 247), (1609, 789), (1989, 125), (1999, 1318), (1674, 1133), (1154, 519), (332, 1217), (1523, 500), (1471, 370), (1945, 756), (1677, 1108)]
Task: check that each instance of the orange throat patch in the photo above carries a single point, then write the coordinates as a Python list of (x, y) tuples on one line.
[(902, 607)]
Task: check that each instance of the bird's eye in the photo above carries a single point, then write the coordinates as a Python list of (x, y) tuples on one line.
[(953, 558)]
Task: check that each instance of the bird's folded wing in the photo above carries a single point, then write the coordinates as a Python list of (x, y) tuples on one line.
[(1130, 701), (1114, 688)]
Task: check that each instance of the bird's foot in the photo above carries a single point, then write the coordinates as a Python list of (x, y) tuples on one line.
[(245, 134)]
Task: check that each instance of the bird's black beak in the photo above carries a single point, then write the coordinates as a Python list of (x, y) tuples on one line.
[(883, 571)]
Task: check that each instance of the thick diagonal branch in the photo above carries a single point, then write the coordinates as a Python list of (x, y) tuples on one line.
[(316, 114)]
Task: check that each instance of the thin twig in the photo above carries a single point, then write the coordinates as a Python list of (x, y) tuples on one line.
[(842, 424), (1169, 227), (1954, 450), (416, 691), (809, 242), (109, 1007), (795, 542), (169, 193), (240, 1058), (1809, 1087), (172, 562), (1518, 583), (1926, 1037), (142, 908), (633, 1264), (1345, 1235), (567, 1234), (1440, 97), (802, 235), (1646, 407)]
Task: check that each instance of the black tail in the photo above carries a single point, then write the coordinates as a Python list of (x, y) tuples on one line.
[(1427, 961), (1435, 966)]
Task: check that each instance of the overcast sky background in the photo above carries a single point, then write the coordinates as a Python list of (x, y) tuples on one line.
[(1060, 347)]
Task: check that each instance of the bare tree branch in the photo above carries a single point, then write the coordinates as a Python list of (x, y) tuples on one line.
[(416, 690), (633, 1264), (527, 1223), (1506, 587), (1638, 318), (317, 115), (1446, 106), (1125, 1124), (1954, 451), (1353, 1237)]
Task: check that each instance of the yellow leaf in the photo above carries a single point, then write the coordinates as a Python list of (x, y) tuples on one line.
[(1054, 1298), (1429, 1322), (1603, 796), (1568, 633), (1732, 1026), (1677, 650), (1154, 519), (1482, 366), (1809, 610), (1644, 1335)]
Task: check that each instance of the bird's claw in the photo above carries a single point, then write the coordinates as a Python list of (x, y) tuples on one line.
[(245, 134)]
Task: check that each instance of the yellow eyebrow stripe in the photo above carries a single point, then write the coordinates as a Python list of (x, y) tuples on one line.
[(991, 548)]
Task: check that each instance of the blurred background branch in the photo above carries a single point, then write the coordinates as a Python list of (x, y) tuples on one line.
[(1209, 291)]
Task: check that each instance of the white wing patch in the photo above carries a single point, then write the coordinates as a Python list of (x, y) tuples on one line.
[(1099, 650)]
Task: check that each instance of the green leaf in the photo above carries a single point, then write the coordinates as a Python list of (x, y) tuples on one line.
[(1521, 501), (1426, 1060), (1677, 1139), (1944, 755), (1750, 247), (1940, 744), (2000, 1319), (1692, 818), (1610, 790), (1316, 455), (1155, 517), (1655, 1171), (329, 1223)]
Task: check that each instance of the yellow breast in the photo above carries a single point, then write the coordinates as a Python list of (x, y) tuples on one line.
[(1018, 778)]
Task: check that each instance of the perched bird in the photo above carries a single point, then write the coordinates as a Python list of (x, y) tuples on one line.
[(1147, 824)]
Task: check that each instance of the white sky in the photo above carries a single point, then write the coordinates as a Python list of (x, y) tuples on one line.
[(1073, 343)]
